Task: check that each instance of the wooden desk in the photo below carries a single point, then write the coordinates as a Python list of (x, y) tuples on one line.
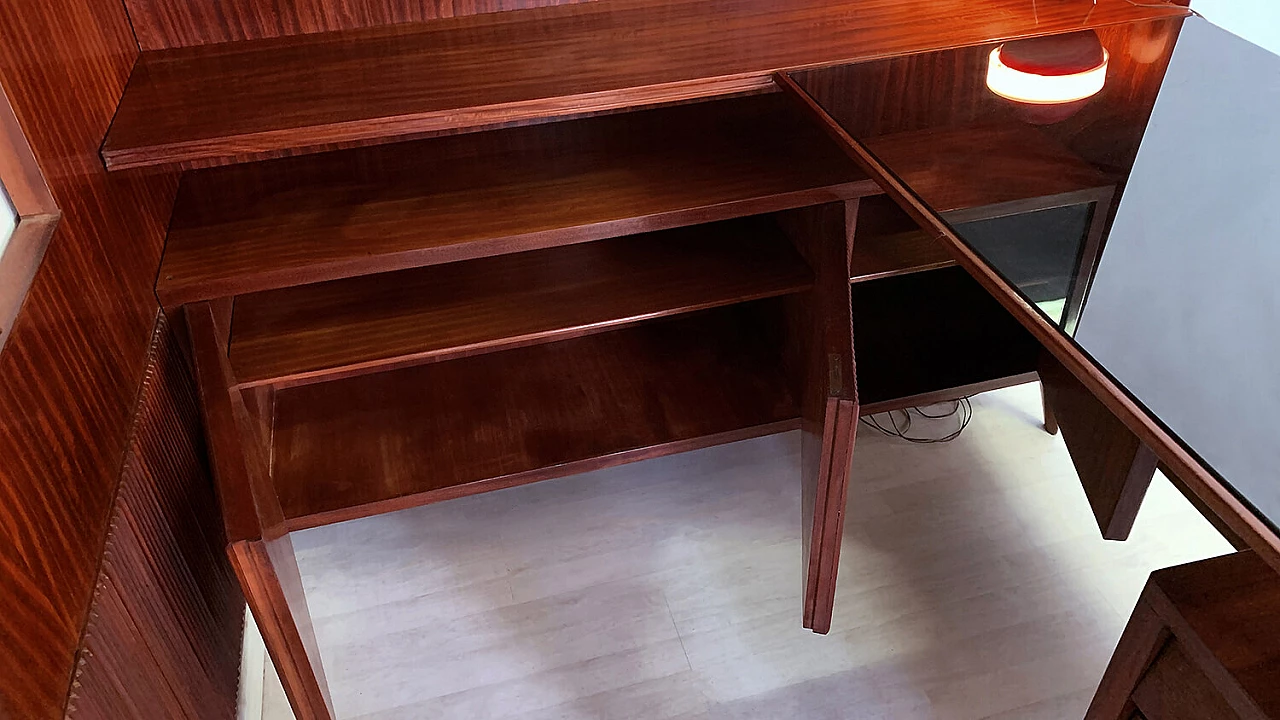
[(395, 324)]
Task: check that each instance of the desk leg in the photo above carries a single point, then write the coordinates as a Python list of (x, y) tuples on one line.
[(1114, 466), (268, 574)]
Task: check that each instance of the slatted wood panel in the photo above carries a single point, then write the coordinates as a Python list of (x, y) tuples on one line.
[(236, 102), (177, 23), (72, 366), (163, 636)]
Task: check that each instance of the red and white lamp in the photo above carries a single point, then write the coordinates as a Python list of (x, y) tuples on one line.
[(1049, 78)]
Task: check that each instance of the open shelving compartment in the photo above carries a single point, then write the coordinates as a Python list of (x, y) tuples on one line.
[(377, 328)]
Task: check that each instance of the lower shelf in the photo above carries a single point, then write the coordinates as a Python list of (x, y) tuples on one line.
[(931, 334), (375, 443)]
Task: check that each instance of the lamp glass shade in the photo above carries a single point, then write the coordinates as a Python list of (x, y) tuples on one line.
[(1050, 70)]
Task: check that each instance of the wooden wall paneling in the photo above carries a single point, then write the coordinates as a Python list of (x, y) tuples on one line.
[(179, 23), (71, 368), (259, 546), (1114, 466), (162, 639), (821, 344)]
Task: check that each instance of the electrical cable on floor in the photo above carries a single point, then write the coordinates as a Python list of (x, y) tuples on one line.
[(963, 409)]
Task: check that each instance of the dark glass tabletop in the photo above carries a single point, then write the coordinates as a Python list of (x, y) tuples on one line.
[(1027, 151)]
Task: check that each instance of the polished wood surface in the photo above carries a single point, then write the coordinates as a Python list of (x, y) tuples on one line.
[(250, 228), (72, 365), (970, 173), (889, 243), (163, 635), (1115, 467), (378, 322), (177, 23), (377, 442), (251, 100), (1203, 642), (820, 350), (1169, 450)]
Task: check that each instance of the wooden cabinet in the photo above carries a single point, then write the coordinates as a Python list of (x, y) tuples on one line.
[(1203, 644)]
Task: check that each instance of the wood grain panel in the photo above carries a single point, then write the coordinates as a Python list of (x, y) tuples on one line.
[(1115, 468), (378, 442), (268, 225), (378, 322), (70, 371), (163, 637), (178, 23), (820, 347), (888, 243), (242, 101)]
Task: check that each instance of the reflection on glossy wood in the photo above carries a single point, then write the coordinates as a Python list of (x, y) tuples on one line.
[(318, 218), (380, 321), (1115, 467), (368, 86), (73, 362), (1203, 643), (379, 442), (177, 23), (988, 170)]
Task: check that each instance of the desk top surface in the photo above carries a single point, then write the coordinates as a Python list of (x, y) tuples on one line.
[(1163, 183)]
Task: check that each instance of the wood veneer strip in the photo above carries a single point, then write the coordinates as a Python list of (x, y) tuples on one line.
[(1170, 451), (379, 322), (259, 99)]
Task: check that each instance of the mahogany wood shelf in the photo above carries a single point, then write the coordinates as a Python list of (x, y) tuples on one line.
[(375, 322), (889, 243), (974, 173), (252, 100), (267, 225), (379, 442)]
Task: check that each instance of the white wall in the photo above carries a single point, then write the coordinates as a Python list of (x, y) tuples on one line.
[(1185, 310), (8, 219), (1257, 21)]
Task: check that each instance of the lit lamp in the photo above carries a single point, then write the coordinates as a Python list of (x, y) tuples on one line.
[(1049, 78)]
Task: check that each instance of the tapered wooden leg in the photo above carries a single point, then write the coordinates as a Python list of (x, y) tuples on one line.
[(1114, 466), (1050, 422), (268, 574), (1143, 638)]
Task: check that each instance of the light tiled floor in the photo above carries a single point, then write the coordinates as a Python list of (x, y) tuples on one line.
[(973, 584)]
